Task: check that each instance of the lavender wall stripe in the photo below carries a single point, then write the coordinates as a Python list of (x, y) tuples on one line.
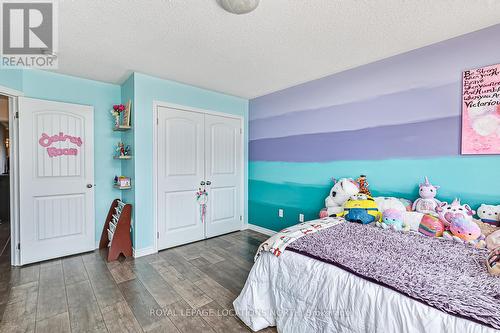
[(433, 65), (409, 106), (438, 137)]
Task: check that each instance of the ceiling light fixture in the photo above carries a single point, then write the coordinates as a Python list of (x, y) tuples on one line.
[(239, 6)]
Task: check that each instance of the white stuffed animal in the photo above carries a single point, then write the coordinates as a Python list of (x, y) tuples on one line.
[(489, 214), (385, 203), (341, 191)]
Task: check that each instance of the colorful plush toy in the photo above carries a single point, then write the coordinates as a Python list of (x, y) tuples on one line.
[(427, 202), (393, 218), (466, 231), (489, 214), (446, 212), (361, 208), (363, 185), (341, 191), (431, 226)]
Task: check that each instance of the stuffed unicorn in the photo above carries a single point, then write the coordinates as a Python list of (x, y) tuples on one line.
[(427, 202), (446, 212), (341, 191)]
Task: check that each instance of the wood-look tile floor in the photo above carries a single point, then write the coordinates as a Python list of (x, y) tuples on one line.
[(185, 289)]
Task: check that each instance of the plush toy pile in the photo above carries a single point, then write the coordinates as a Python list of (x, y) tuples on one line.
[(427, 215)]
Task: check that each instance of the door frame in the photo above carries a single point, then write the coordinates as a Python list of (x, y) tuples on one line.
[(12, 94), (157, 104)]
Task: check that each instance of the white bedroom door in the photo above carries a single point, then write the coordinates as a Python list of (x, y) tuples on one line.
[(56, 177), (223, 161), (180, 154)]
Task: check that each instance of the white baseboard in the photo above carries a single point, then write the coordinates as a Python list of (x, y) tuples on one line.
[(264, 231), (143, 252)]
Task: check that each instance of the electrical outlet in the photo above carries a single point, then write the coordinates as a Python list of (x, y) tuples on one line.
[(280, 212), (301, 217)]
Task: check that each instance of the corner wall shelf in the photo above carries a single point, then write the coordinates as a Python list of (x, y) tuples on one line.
[(122, 187), (127, 157), (122, 128)]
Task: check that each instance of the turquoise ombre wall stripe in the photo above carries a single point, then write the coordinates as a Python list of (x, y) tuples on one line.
[(70, 89), (302, 187), (395, 120), (147, 90)]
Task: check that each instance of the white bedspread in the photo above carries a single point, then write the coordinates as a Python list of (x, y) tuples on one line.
[(300, 294)]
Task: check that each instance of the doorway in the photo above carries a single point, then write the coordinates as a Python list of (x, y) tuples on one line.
[(5, 222), (197, 151)]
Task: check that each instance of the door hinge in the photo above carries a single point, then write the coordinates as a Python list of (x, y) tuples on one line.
[(241, 130), (158, 235), (241, 217), (156, 121), (16, 115), (18, 246)]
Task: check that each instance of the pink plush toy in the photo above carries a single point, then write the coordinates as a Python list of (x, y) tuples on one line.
[(427, 202), (447, 212), (463, 230)]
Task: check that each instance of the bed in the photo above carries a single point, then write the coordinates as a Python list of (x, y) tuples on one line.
[(299, 293)]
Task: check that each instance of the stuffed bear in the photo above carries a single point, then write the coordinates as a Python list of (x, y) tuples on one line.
[(489, 214), (341, 191)]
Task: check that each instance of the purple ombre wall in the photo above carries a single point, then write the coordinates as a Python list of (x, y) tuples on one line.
[(395, 120)]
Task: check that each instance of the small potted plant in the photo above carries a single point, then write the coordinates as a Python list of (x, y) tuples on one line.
[(117, 110)]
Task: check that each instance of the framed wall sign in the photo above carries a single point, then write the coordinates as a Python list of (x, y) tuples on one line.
[(481, 111)]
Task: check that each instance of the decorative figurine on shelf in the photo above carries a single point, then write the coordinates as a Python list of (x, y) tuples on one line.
[(363, 185), (117, 110), (120, 149), (123, 182)]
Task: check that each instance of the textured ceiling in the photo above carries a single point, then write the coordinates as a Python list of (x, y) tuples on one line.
[(281, 44)]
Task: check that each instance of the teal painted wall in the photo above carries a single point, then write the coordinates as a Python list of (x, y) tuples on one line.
[(69, 89), (142, 90), (11, 78), (147, 90), (302, 187), (127, 137)]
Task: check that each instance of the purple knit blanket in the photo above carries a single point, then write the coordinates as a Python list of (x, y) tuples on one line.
[(446, 275)]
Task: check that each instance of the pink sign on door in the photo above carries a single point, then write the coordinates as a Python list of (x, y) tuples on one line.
[(481, 111), (46, 141)]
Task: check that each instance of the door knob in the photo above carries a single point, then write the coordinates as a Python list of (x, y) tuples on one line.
[(89, 185), (202, 183), (209, 182)]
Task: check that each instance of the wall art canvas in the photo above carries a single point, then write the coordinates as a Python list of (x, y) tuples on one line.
[(481, 111)]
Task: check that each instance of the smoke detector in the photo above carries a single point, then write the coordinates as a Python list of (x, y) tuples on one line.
[(239, 6)]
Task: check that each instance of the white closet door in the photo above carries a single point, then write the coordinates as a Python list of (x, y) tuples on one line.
[(56, 176), (223, 164), (180, 170)]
